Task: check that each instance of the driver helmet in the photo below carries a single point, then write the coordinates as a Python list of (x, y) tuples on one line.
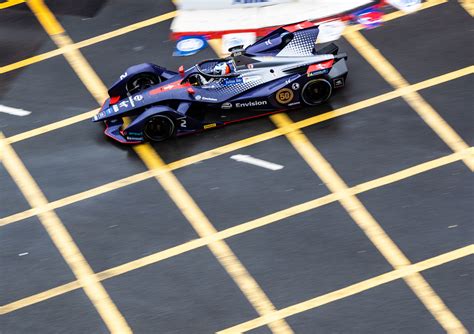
[(222, 69)]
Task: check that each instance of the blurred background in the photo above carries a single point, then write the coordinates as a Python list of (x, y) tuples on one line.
[(366, 226)]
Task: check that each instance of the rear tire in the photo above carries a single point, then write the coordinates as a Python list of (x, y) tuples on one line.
[(141, 82), (316, 91), (159, 128)]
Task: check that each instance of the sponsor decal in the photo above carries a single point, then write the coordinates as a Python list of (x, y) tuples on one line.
[(189, 45), (208, 126), (251, 104), (252, 78), (115, 107), (138, 98), (224, 4), (232, 81), (123, 104), (370, 18), (135, 133), (293, 104), (226, 105), (312, 74), (250, 66), (123, 76), (204, 98), (320, 68), (338, 82), (295, 86), (299, 26), (408, 6), (244, 2), (284, 96), (134, 138)]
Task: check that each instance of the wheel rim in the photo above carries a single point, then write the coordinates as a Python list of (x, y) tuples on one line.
[(316, 91), (140, 83), (159, 128)]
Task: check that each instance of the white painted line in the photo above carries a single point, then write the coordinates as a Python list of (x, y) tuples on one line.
[(23, 254), (256, 162), (14, 111)]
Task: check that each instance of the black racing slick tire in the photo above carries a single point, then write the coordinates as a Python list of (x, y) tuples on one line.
[(141, 82), (316, 91), (159, 128)]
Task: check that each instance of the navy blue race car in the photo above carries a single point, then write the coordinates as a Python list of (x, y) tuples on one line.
[(281, 71)]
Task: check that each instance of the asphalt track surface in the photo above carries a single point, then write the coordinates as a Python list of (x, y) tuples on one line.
[(331, 260)]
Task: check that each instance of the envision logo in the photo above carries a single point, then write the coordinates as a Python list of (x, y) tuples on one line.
[(251, 104)]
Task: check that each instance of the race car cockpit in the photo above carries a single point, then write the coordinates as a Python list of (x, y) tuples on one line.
[(211, 71)]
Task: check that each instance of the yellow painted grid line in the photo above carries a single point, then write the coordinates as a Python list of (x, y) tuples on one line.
[(82, 68), (214, 43), (369, 225), (354, 289), (88, 42), (155, 20), (168, 181), (468, 5), (414, 99), (245, 227), (52, 126), (45, 17), (10, 3), (204, 228), (219, 150), (63, 242)]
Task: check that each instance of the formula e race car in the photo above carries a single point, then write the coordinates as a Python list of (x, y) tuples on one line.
[(281, 71)]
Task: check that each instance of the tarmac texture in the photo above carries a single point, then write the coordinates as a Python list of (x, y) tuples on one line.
[(367, 228)]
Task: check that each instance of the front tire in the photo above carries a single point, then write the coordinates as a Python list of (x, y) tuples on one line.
[(159, 128), (316, 91)]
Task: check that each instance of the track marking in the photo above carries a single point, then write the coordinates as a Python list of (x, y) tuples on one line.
[(88, 42), (215, 44), (39, 297), (468, 5), (400, 13), (10, 3), (165, 177), (155, 20), (204, 228), (354, 289), (14, 111), (63, 241), (369, 185), (367, 223), (414, 99), (243, 228), (52, 126), (219, 150), (256, 162), (310, 121)]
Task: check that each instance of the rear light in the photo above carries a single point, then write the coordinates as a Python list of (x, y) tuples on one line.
[(114, 100)]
